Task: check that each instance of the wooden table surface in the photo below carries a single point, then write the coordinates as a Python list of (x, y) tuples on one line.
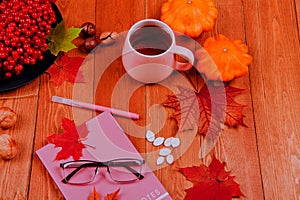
[(264, 158)]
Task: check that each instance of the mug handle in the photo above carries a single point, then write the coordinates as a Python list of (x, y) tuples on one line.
[(187, 54)]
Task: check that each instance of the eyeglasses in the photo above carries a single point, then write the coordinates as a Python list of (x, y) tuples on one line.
[(85, 171)]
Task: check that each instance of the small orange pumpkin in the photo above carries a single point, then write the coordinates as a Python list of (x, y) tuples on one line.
[(223, 59), (189, 17)]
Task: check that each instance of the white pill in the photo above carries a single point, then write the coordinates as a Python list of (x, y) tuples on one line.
[(175, 142), (164, 152), (170, 159), (158, 141), (167, 142), (160, 160), (150, 136)]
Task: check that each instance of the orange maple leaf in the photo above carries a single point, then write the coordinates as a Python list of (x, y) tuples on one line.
[(94, 195), (111, 196)]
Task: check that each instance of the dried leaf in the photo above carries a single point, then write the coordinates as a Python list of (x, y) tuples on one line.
[(94, 195), (60, 38), (112, 196), (66, 68), (69, 141), (196, 107), (211, 182)]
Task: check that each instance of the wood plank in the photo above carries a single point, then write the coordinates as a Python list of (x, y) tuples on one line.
[(118, 16), (15, 174), (274, 43), (50, 114), (114, 87), (142, 101), (248, 175), (297, 8), (237, 146), (160, 122), (273, 40)]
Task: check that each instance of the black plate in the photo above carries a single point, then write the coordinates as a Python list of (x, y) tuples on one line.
[(29, 73)]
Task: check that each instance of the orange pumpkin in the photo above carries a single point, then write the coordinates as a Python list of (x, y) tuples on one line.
[(189, 17), (223, 59)]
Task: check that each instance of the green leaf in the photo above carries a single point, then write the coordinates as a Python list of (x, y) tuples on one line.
[(60, 38)]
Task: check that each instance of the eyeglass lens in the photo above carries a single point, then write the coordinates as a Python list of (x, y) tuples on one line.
[(125, 170), (83, 175)]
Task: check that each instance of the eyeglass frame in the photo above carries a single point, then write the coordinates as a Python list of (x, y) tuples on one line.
[(97, 164)]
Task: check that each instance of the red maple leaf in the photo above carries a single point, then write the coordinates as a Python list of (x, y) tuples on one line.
[(210, 108), (210, 183), (69, 141), (66, 68)]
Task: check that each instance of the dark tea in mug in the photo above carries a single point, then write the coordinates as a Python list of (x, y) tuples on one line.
[(150, 40)]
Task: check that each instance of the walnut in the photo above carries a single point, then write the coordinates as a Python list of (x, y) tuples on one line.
[(8, 147), (8, 118)]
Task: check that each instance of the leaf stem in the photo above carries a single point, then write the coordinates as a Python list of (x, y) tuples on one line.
[(89, 145), (191, 82), (82, 141)]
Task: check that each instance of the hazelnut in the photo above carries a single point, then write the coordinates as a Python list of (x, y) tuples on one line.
[(108, 38), (8, 147), (8, 118), (89, 44), (88, 30)]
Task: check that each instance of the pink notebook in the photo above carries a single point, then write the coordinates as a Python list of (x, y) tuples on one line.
[(111, 142)]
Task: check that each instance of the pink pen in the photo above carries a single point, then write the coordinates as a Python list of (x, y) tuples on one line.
[(90, 106)]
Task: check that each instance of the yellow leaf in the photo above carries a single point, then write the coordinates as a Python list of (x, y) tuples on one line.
[(94, 195), (112, 196)]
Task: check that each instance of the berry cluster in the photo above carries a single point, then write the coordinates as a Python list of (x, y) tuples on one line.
[(24, 25)]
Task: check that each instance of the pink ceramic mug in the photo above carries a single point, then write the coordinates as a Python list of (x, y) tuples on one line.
[(148, 52)]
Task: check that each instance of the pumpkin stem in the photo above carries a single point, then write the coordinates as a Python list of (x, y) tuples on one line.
[(190, 2)]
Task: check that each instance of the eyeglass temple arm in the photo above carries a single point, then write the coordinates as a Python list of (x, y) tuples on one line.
[(137, 174)]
